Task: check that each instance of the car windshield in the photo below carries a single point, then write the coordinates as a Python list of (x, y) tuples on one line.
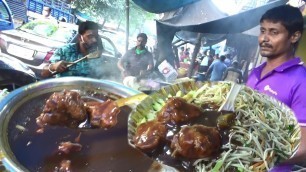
[(108, 47), (50, 30)]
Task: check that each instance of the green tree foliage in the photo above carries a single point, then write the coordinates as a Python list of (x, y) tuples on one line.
[(109, 9), (138, 17), (114, 10)]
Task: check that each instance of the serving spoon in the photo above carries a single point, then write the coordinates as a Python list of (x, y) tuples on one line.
[(93, 55), (132, 100), (229, 103)]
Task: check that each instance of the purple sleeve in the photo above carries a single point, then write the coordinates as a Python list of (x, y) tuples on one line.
[(251, 80), (299, 102), (284, 167)]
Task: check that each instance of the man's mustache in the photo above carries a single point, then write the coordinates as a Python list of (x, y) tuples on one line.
[(92, 48), (94, 45), (265, 45)]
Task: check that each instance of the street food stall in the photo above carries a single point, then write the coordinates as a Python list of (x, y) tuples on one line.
[(31, 140), (205, 18), (83, 124)]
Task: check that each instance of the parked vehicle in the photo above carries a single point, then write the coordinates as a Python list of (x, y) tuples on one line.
[(6, 19), (35, 42), (119, 39), (14, 73)]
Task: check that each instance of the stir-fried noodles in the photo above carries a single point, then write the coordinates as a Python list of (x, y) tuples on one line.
[(264, 133)]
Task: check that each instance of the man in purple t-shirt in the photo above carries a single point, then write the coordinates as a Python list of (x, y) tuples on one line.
[(283, 75)]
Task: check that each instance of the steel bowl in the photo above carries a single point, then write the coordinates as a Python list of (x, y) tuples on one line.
[(23, 105)]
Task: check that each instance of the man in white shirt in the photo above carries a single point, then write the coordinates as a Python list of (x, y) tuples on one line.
[(46, 13), (206, 61)]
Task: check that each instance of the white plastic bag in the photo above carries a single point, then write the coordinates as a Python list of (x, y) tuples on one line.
[(168, 71)]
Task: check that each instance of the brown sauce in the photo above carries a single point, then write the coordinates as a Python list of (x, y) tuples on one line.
[(163, 153), (102, 150)]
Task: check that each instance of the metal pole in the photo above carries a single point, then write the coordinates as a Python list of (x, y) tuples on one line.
[(194, 55), (127, 29)]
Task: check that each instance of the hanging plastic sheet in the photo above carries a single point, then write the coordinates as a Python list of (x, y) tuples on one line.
[(160, 6)]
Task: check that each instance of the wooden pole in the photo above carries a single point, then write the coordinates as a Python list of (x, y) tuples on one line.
[(194, 55), (127, 29)]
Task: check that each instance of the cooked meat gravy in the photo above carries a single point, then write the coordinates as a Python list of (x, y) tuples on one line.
[(69, 147), (103, 114), (102, 149), (67, 108), (184, 123), (63, 108), (150, 135), (64, 166), (195, 142), (178, 111)]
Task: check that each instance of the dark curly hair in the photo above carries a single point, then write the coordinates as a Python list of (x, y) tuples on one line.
[(290, 17), (87, 25), (143, 35)]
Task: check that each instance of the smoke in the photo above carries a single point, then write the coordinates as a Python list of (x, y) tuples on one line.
[(105, 68)]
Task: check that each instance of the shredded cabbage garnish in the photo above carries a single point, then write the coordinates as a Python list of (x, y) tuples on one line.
[(267, 132), (264, 130)]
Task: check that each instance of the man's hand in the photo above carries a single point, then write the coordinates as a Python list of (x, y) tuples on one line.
[(300, 155), (57, 67), (60, 66), (143, 74), (124, 73)]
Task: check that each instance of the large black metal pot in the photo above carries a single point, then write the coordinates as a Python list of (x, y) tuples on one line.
[(20, 146)]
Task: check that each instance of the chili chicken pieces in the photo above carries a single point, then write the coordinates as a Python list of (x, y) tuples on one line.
[(103, 114), (173, 126), (177, 111), (149, 135), (67, 108), (63, 108), (197, 141)]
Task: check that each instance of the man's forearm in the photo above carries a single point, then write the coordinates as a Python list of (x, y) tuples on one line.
[(150, 67), (47, 71), (300, 157), (120, 66)]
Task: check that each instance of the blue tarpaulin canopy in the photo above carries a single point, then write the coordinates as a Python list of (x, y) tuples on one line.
[(200, 16), (81, 15), (160, 6), (204, 17)]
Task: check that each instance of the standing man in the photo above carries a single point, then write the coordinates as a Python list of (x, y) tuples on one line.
[(88, 42), (283, 76), (181, 54), (46, 13), (216, 69), (206, 61), (233, 73), (138, 60), (228, 60)]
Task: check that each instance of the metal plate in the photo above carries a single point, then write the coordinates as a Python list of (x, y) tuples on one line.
[(246, 97)]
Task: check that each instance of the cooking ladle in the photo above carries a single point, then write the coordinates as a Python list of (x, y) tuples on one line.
[(228, 104), (93, 55), (132, 100)]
